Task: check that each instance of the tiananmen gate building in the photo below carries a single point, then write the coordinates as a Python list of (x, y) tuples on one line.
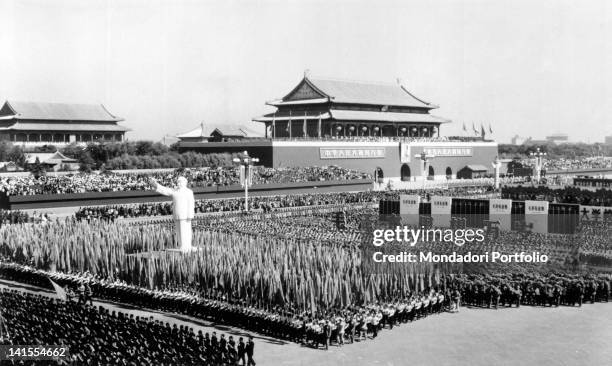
[(378, 128), (336, 108)]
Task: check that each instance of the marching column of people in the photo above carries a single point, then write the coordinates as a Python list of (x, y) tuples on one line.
[(335, 326), (98, 336)]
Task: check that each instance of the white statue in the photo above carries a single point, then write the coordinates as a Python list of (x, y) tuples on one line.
[(182, 208)]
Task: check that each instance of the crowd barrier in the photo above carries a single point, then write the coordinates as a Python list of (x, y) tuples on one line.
[(394, 184), (254, 214), (126, 197), (503, 214)]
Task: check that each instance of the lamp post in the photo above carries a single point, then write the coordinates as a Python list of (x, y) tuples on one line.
[(246, 175), (539, 163), (496, 164), (425, 158)]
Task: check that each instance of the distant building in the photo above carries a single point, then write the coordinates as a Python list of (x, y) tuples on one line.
[(225, 133), (8, 166), (557, 138), (518, 140), (52, 161), (608, 141), (472, 171), (536, 142), (33, 123)]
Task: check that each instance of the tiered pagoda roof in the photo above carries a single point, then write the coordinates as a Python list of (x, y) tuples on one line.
[(352, 92), (37, 116), (342, 100)]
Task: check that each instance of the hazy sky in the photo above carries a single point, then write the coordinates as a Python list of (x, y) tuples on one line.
[(527, 67)]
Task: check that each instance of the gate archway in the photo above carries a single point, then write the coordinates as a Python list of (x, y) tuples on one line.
[(405, 173)]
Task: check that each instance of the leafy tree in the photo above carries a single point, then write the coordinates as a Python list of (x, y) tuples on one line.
[(73, 151), (45, 149), (17, 156), (37, 169), (87, 163), (5, 149)]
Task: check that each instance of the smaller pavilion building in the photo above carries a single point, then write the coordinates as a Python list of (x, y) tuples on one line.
[(36, 123)]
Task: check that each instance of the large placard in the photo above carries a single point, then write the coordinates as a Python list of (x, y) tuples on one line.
[(409, 204), (352, 152), (449, 151), (441, 210), (501, 210), (536, 216), (409, 209)]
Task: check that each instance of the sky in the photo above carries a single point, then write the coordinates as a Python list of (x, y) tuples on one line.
[(527, 68)]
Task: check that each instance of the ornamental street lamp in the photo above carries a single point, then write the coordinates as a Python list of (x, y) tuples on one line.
[(425, 158), (539, 163), (496, 164), (246, 175)]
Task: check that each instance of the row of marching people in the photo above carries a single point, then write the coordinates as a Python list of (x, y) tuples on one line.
[(362, 323)]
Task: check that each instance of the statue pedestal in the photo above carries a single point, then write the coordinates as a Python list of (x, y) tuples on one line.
[(160, 253), (181, 250)]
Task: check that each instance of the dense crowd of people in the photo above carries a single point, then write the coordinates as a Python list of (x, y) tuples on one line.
[(568, 163), (336, 326), (205, 177), (533, 289), (601, 197), (578, 163), (97, 336), (102, 337), (257, 203), (270, 203), (8, 217)]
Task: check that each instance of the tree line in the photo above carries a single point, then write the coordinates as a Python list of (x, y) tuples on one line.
[(118, 155), (554, 151)]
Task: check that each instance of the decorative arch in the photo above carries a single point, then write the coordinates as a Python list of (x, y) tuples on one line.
[(405, 173), (449, 173), (431, 173)]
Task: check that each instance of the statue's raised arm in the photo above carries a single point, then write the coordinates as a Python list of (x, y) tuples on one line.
[(161, 189)]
